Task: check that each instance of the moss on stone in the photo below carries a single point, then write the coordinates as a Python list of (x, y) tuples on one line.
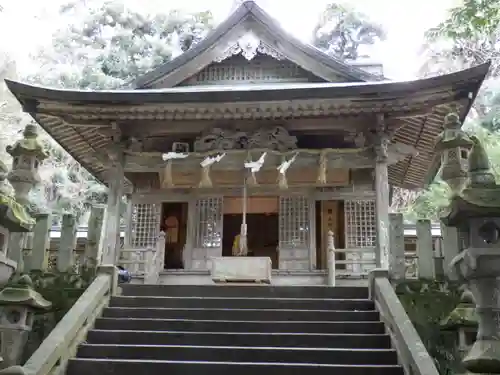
[(14, 216), (428, 303)]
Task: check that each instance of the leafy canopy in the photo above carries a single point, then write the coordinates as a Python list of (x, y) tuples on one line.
[(342, 30), (468, 37), (104, 46), (111, 44)]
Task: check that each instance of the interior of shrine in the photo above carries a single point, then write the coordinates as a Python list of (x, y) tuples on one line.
[(263, 224)]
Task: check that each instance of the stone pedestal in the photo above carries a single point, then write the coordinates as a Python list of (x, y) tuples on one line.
[(479, 268), (242, 269)]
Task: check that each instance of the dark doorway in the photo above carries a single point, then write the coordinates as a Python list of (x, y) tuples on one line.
[(329, 216), (262, 234), (174, 224)]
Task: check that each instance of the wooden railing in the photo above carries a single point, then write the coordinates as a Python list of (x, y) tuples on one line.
[(428, 259), (146, 263), (155, 261), (61, 344)]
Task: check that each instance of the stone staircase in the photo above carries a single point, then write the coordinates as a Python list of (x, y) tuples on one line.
[(245, 330)]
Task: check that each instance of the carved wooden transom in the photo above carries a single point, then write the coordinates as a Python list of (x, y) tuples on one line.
[(274, 138)]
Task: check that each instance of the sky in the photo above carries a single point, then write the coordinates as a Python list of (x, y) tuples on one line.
[(405, 22)]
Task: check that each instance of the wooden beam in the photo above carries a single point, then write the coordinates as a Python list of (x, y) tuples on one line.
[(351, 159)]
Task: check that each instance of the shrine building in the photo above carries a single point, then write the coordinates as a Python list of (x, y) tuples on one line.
[(253, 144)]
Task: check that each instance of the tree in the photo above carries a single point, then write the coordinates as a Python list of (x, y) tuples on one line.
[(467, 37), (105, 46), (341, 31), (110, 44), (66, 186)]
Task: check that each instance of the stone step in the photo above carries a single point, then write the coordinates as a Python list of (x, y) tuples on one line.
[(303, 340), (83, 366), (239, 314), (244, 303), (239, 326), (245, 291), (243, 354)]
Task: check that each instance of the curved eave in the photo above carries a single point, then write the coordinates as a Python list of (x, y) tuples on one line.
[(466, 81), (425, 103)]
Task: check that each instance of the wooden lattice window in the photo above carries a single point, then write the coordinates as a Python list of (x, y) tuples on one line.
[(360, 224), (209, 226), (261, 68), (145, 224), (294, 222)]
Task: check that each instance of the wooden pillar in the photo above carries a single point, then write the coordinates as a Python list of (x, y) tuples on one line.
[(331, 259), (382, 193), (111, 246), (41, 242), (450, 248), (94, 235), (127, 240), (425, 253), (382, 214), (397, 267), (66, 251)]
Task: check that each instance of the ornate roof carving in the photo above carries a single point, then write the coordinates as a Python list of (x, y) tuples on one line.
[(248, 46)]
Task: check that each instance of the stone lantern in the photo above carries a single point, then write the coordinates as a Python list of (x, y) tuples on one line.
[(463, 321), (13, 219), (18, 305), (453, 144), (27, 154), (475, 212)]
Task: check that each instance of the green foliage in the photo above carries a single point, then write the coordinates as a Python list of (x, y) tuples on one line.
[(111, 44), (341, 31), (469, 20), (104, 46), (67, 187), (427, 303), (429, 203), (60, 288), (468, 37)]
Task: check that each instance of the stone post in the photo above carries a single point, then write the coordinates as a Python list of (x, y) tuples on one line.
[(397, 267), (450, 248), (425, 253), (66, 251), (475, 212), (27, 251), (94, 235), (27, 155), (18, 305), (41, 242), (438, 258)]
